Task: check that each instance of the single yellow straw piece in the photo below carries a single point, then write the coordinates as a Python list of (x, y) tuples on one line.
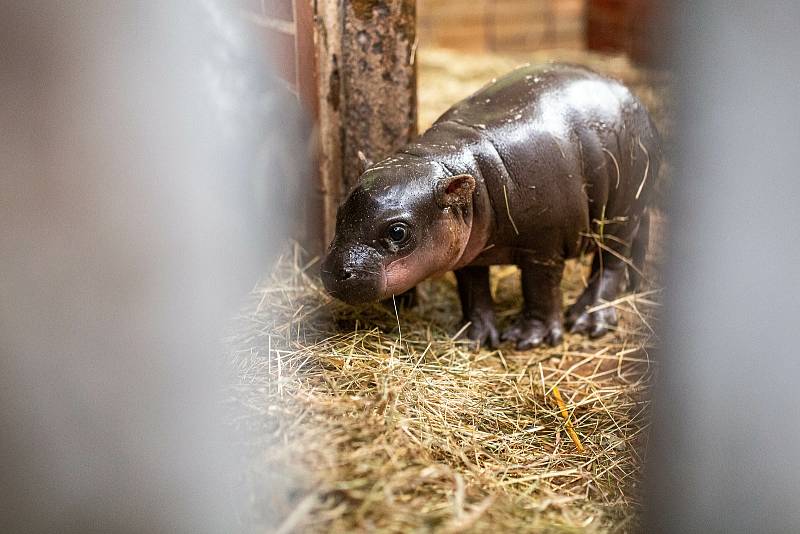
[(570, 430), (508, 210)]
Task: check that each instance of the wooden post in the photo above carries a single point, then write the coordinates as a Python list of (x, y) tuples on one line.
[(366, 88)]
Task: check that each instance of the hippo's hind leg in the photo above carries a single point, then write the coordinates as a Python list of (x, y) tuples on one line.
[(607, 279), (477, 305), (541, 319)]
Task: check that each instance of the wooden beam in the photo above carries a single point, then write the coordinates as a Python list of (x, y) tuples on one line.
[(366, 88)]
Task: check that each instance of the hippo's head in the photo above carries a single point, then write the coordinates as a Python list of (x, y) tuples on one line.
[(401, 224)]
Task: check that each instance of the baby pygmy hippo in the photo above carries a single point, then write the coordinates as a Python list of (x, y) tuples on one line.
[(539, 166)]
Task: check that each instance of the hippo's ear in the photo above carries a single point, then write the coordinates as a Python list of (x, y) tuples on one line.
[(364, 162), (455, 190)]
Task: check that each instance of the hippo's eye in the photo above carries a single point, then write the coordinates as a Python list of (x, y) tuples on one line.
[(398, 233)]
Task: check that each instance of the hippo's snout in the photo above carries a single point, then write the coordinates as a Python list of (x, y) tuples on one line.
[(354, 276)]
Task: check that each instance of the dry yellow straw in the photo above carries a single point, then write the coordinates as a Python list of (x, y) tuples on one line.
[(508, 210), (571, 431)]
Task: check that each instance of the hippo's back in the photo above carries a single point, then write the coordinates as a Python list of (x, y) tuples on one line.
[(548, 98)]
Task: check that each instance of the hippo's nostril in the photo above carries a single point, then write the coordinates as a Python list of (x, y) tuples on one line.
[(351, 283)]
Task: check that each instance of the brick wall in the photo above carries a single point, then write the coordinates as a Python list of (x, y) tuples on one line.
[(636, 27), (501, 25)]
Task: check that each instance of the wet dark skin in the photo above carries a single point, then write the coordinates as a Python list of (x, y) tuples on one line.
[(540, 166)]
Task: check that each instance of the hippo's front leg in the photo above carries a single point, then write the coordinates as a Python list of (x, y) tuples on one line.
[(477, 305), (541, 319), (405, 300)]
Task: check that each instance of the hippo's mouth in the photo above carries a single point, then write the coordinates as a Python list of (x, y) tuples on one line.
[(401, 275)]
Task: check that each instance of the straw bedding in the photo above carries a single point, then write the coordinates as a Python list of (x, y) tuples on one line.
[(361, 418)]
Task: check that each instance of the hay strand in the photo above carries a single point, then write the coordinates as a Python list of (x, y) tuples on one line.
[(508, 210), (646, 167), (568, 424), (616, 166)]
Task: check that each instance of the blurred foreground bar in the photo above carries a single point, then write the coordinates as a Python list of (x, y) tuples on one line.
[(723, 452)]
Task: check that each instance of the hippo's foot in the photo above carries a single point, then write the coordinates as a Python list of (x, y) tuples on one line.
[(589, 315), (482, 330), (595, 323), (529, 332)]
